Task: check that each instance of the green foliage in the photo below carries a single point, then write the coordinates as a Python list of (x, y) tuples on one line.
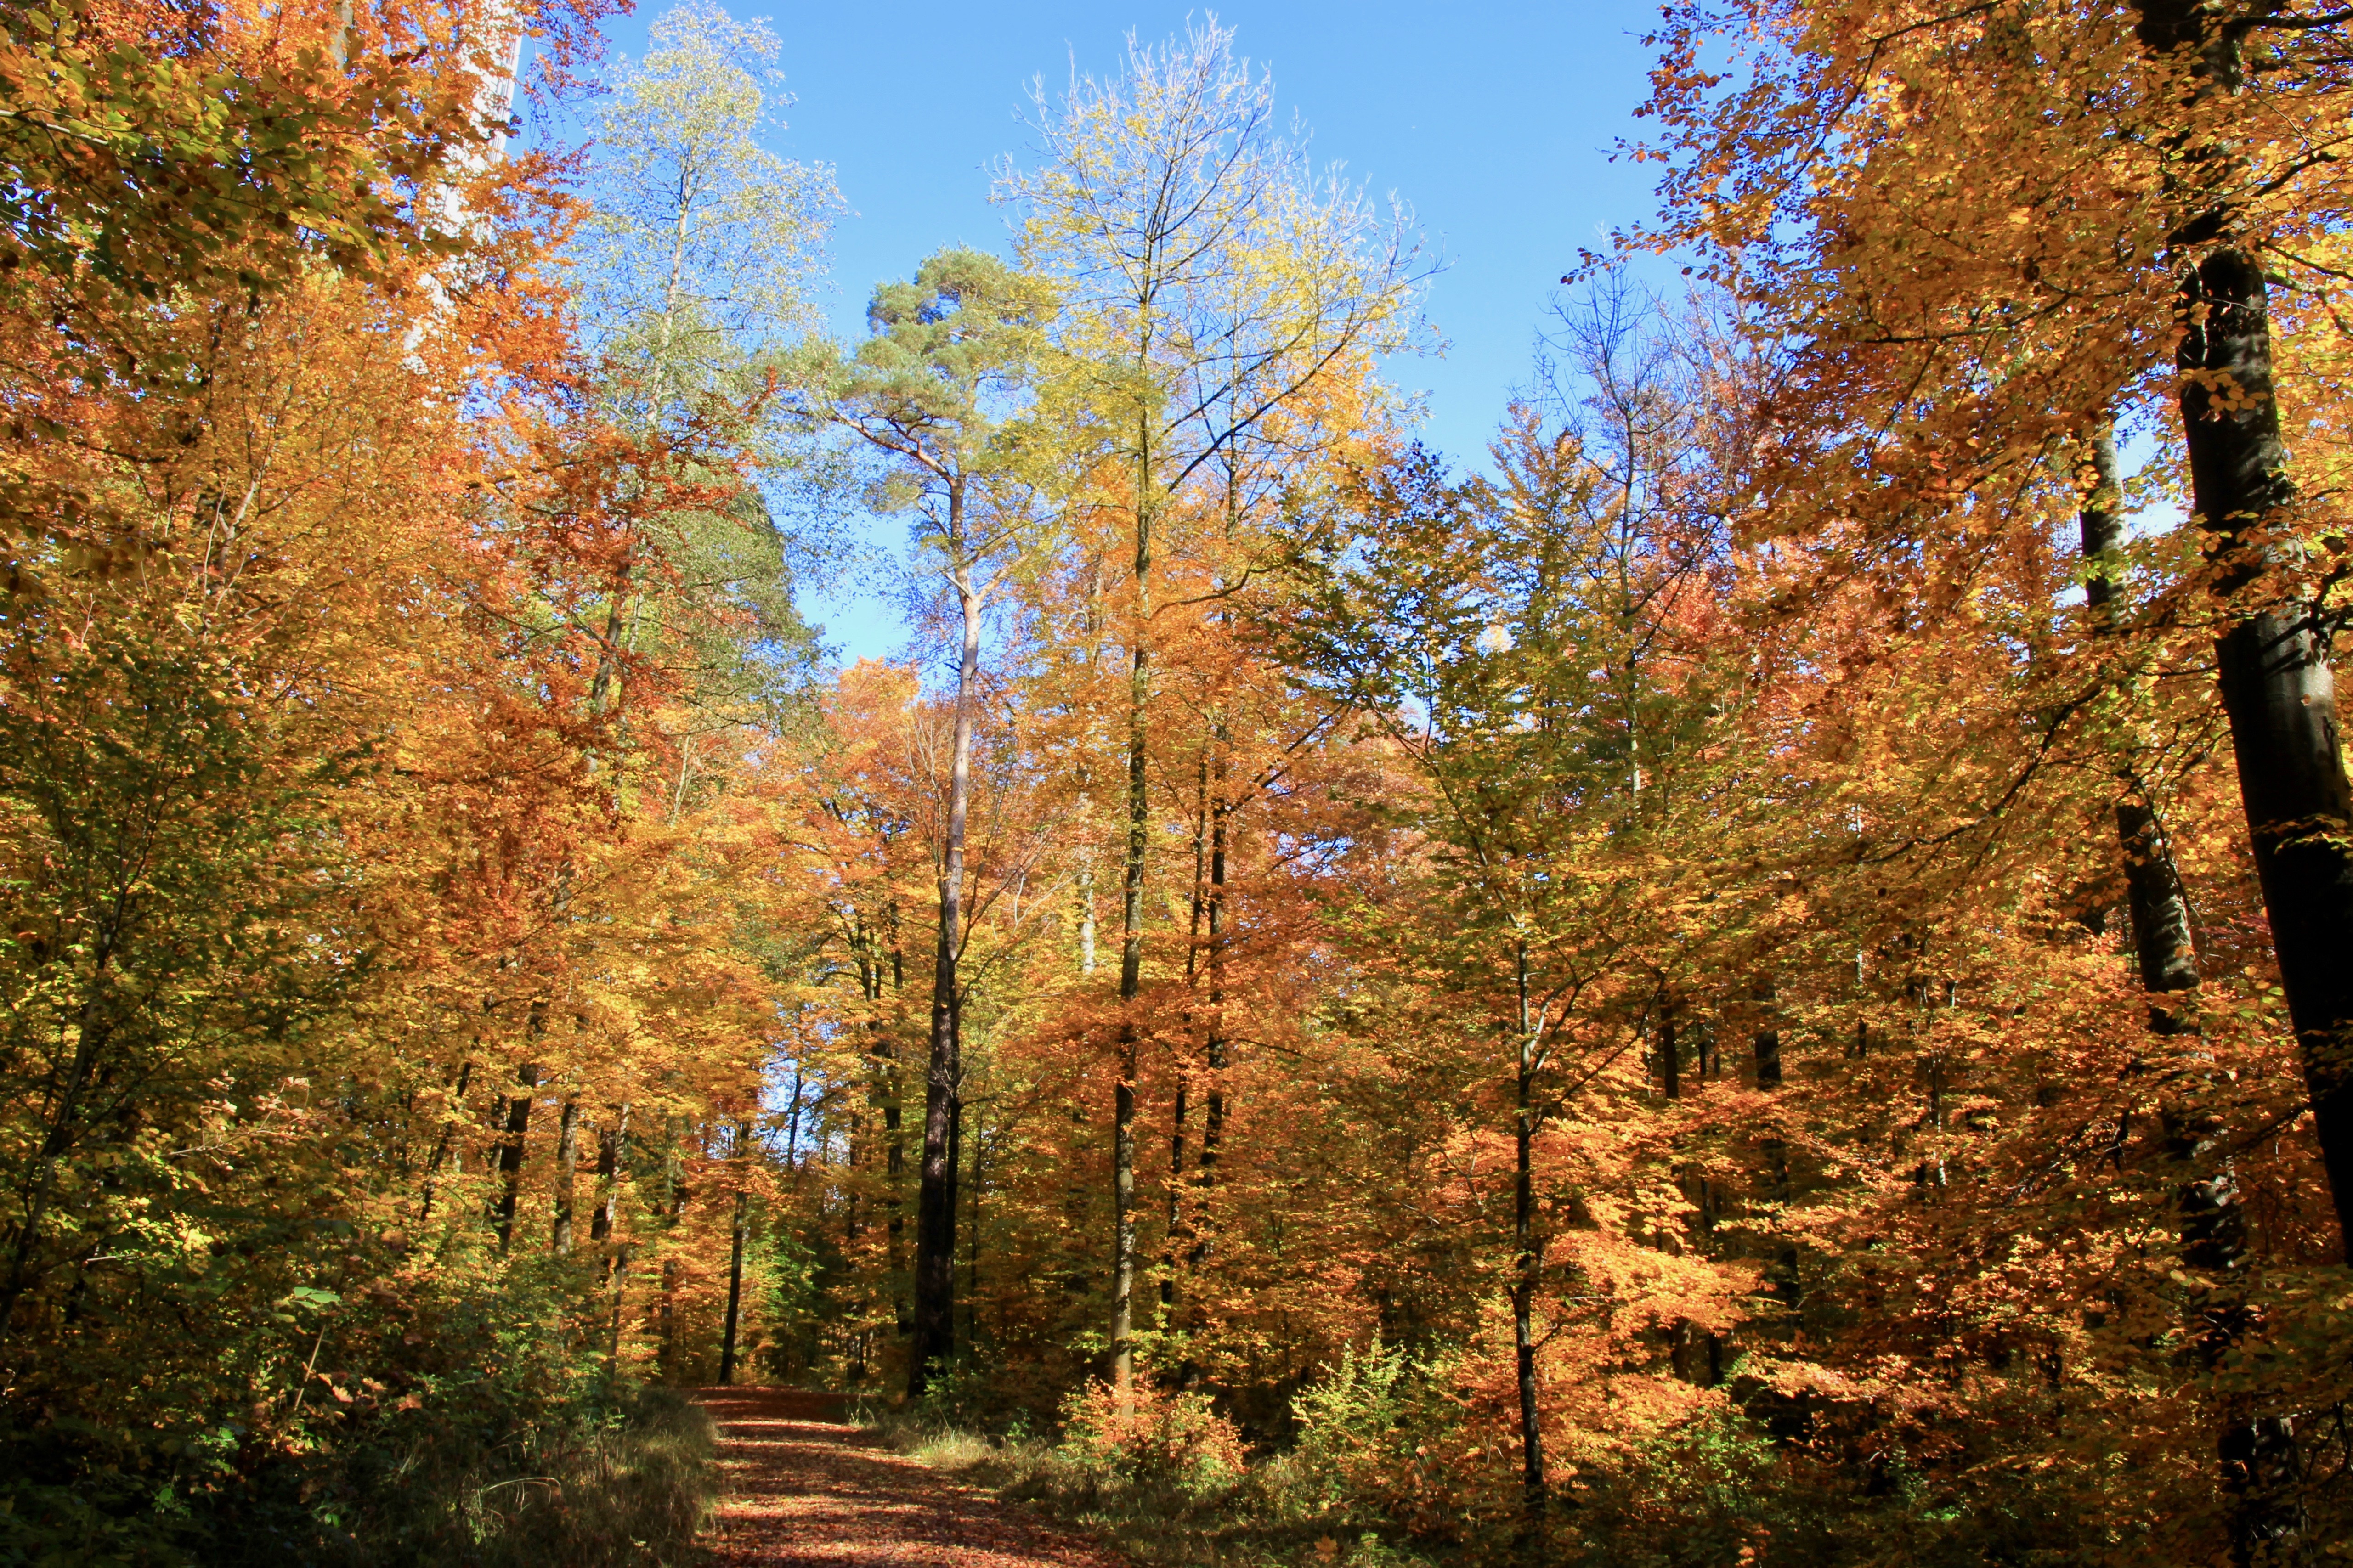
[(934, 396), (1351, 1423), (458, 1416), (700, 244), (165, 869), (1150, 1436), (1167, 1478)]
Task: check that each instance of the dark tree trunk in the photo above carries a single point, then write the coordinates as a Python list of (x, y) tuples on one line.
[(2280, 696), (1670, 1066), (935, 1217), (2278, 690), (452, 1109), (2277, 687), (735, 1297), (1130, 954), (1176, 1219), (2161, 909), (894, 1160), (1768, 1042), (667, 1356), (1531, 1259), (511, 1147), (611, 1146), (1213, 1110), (972, 1244)]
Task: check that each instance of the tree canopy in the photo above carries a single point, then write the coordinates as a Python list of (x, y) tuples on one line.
[(1757, 974)]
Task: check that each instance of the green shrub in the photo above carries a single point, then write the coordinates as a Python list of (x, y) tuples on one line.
[(1151, 1435), (461, 1417)]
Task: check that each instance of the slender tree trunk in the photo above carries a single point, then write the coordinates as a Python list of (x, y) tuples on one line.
[(1086, 906), (886, 1101), (955, 1162), (511, 1150), (793, 1128), (1175, 1219), (735, 1294), (1131, 953), (935, 1199), (667, 1357), (1171, 1248), (64, 1126), (1524, 1235), (2159, 909), (1213, 1111), (894, 1124), (1768, 1042), (567, 1168), (971, 1248), (612, 1146)]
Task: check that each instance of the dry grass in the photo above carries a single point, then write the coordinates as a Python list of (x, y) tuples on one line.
[(632, 1496), (1260, 1518)]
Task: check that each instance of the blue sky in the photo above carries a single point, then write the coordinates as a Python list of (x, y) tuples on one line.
[(1494, 120)]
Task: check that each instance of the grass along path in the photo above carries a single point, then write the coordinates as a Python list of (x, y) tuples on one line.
[(801, 1487)]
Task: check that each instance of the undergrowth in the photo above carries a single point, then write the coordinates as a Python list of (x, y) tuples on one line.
[(1378, 1467), (627, 1485), (622, 1480), (1171, 1483)]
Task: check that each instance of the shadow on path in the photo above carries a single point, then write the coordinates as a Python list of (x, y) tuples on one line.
[(800, 1488)]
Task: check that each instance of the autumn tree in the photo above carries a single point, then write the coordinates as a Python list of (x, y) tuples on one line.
[(1211, 280), (2162, 110), (1506, 638)]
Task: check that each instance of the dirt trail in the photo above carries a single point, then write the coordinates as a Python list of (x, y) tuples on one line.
[(802, 1489)]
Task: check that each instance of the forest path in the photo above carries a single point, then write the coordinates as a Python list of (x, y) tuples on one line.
[(802, 1489)]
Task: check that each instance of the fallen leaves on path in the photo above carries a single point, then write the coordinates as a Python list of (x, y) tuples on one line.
[(802, 1489)]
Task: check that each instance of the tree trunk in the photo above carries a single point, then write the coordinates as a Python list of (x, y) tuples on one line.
[(451, 1108), (1768, 1042), (611, 1145), (2281, 698), (1213, 1111), (887, 1102), (735, 1296), (511, 1147), (972, 1244), (1176, 1221), (935, 1339), (2277, 688), (1523, 1288), (1086, 896), (667, 1356), (1173, 1236), (1131, 955), (2160, 911), (567, 1168)]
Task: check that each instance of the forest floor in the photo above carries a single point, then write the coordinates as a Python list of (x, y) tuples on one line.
[(801, 1487)]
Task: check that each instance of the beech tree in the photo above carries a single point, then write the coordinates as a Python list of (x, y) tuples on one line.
[(2163, 108), (1210, 280)]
